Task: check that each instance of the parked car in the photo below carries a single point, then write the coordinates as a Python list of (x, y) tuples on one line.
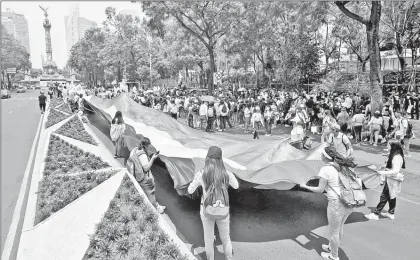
[(5, 93), (21, 90), (37, 87)]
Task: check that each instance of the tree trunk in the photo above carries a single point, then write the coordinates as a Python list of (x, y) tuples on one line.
[(9, 82), (372, 31), (212, 70), (119, 74), (400, 49)]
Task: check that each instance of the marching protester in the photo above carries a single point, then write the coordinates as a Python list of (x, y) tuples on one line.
[(337, 212), (339, 141), (358, 122), (224, 111), (140, 166), (214, 207), (393, 179), (117, 131), (375, 123)]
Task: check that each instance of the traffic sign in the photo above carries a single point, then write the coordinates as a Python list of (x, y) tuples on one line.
[(11, 70)]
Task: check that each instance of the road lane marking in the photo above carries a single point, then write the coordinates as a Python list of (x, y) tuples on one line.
[(10, 239)]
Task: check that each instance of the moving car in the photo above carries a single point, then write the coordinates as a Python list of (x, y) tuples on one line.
[(5, 93), (21, 90)]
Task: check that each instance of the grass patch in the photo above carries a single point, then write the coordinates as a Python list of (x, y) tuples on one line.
[(63, 158), (56, 102), (54, 117), (130, 230), (65, 108), (74, 129), (56, 192)]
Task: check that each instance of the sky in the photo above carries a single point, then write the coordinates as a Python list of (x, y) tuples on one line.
[(94, 11)]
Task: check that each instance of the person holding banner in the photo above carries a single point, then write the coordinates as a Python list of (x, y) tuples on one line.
[(117, 130)]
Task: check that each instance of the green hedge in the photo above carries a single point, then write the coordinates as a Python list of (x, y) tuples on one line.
[(56, 192), (129, 230), (64, 158), (54, 117), (74, 129)]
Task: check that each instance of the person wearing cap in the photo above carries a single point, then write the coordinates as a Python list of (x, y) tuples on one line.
[(375, 124), (215, 181), (339, 141), (42, 101), (337, 212)]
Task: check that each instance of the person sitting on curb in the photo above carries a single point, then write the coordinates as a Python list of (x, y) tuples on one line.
[(139, 165)]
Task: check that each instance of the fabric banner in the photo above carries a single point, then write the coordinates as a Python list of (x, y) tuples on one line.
[(263, 164)]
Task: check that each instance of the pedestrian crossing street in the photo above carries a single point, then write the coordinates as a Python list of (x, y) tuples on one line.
[(20, 99)]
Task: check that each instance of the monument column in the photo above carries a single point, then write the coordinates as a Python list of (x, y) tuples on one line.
[(48, 48)]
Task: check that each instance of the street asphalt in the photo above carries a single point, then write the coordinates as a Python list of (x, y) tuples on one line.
[(20, 117), (271, 225)]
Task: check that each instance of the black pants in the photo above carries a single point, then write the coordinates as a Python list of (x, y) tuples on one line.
[(384, 199), (210, 121), (358, 133), (42, 107), (174, 116), (415, 112)]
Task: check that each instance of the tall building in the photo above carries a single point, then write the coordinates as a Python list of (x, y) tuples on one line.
[(76, 26), (17, 26)]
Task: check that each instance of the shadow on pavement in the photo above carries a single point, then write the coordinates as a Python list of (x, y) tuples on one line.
[(256, 215)]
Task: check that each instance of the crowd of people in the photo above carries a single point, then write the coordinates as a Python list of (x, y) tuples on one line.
[(336, 117)]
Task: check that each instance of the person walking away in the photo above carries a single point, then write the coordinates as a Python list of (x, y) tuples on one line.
[(81, 104), (269, 120), (386, 116), (224, 111), (203, 115), (375, 124), (117, 130), (340, 141), (257, 121), (211, 114), (214, 206), (42, 101), (337, 212), (326, 125), (358, 121), (368, 110), (247, 116), (393, 180), (343, 117), (195, 113), (140, 166)]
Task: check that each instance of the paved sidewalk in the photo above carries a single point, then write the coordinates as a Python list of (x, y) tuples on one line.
[(65, 235)]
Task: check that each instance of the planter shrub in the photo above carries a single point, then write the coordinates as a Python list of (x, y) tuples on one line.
[(65, 108), (74, 129), (63, 158), (130, 230), (56, 102), (56, 192), (54, 117)]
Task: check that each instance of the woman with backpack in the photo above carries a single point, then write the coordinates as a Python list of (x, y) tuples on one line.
[(337, 211), (393, 179), (214, 209), (117, 130)]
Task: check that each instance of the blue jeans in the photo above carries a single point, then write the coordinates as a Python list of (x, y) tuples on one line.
[(224, 232)]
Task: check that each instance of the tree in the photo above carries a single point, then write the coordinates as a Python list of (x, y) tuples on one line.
[(398, 17), (372, 32), (13, 55), (207, 21)]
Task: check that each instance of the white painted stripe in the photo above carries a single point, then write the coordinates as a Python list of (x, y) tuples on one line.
[(8, 245)]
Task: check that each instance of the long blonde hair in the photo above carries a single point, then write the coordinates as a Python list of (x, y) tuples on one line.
[(216, 181)]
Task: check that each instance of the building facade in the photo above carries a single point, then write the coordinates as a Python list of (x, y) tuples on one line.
[(76, 26), (16, 25)]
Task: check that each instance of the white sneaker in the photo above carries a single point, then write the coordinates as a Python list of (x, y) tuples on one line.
[(328, 256), (407, 156), (372, 216), (160, 209), (326, 248), (388, 215)]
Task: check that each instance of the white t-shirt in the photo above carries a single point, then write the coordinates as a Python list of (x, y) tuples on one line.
[(329, 173)]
